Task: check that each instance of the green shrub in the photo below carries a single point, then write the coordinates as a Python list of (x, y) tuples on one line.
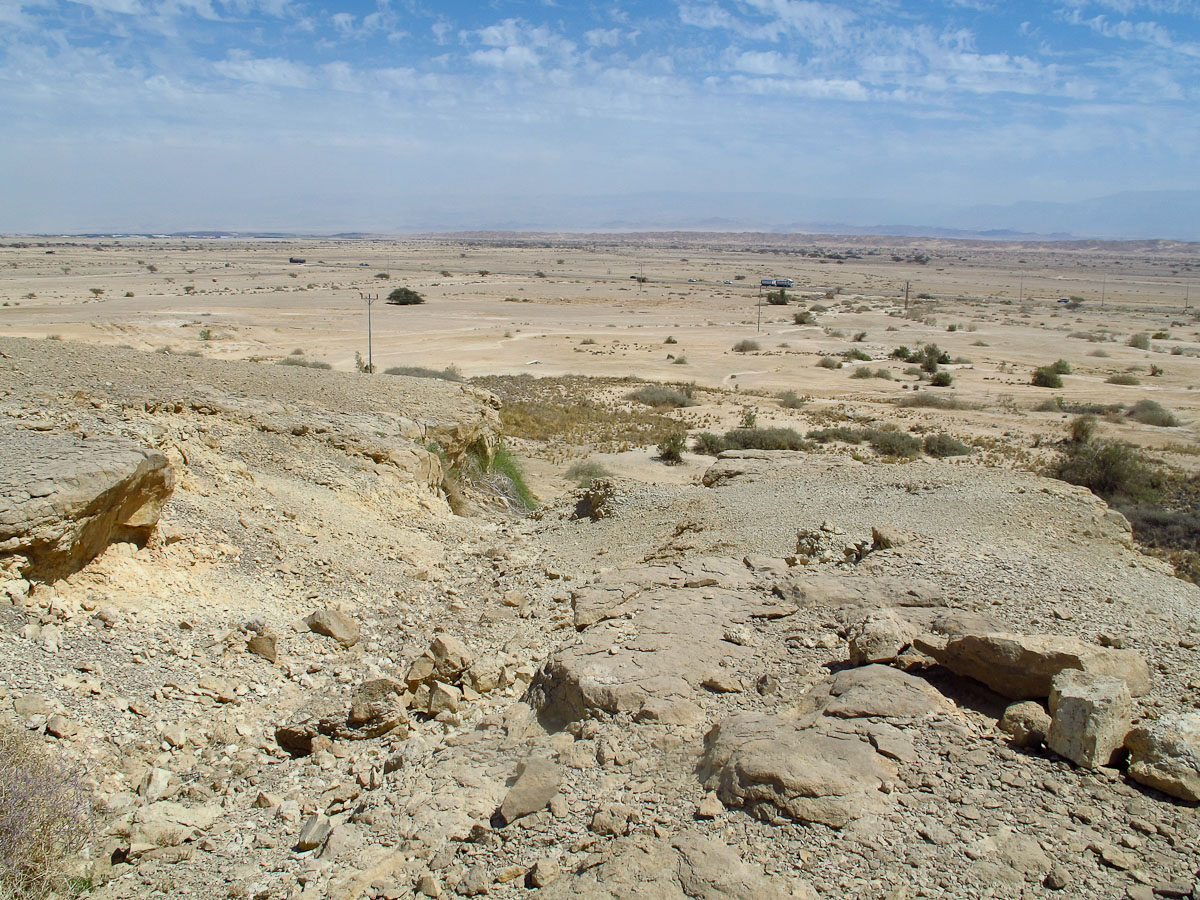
[(709, 444), (765, 439), (837, 433), (404, 296), (584, 473), (587, 342), (749, 418), (804, 317), (1062, 367), (44, 816), (1045, 376), (1113, 470), (894, 443), (859, 337), (941, 379), (671, 447), (660, 396), (450, 373), (1082, 429), (1140, 341), (790, 400), (746, 346), (854, 354), (1123, 378), (306, 363), (902, 353), (862, 372), (942, 445), (777, 298), (885, 374), (670, 340), (1160, 336), (934, 401), (1148, 412), (680, 360), (828, 362)]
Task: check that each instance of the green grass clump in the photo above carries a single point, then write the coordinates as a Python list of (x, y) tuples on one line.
[(791, 400), (505, 465), (450, 373), (854, 354), (1062, 367), (862, 372), (894, 443), (933, 401), (837, 433), (1123, 378), (750, 439), (1148, 412), (828, 362)]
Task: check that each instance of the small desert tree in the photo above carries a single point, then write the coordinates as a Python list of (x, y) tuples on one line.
[(404, 296)]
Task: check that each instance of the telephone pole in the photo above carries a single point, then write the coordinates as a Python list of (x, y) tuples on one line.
[(369, 299)]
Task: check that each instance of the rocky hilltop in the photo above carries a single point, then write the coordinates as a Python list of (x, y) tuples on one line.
[(237, 595)]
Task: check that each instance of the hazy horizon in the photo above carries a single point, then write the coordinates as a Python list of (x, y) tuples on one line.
[(1071, 118)]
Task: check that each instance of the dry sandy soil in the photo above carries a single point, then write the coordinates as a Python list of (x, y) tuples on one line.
[(695, 595)]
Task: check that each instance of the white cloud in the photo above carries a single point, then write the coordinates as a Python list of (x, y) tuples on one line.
[(508, 58), (273, 72), (602, 37)]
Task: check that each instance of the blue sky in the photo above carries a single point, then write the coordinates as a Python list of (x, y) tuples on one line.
[(393, 114)]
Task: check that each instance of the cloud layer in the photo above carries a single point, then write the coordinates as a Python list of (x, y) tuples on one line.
[(166, 114)]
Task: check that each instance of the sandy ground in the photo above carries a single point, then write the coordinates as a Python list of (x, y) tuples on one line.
[(570, 306)]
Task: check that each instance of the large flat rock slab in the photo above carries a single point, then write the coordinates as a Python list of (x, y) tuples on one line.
[(687, 866), (64, 498)]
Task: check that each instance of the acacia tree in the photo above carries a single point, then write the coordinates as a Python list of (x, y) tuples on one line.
[(404, 296)]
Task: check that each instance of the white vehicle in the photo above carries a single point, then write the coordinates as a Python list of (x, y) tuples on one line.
[(784, 282)]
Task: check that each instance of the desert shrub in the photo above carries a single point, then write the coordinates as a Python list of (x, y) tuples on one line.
[(44, 816), (1140, 341), (930, 356), (790, 400), (680, 360), (1155, 371), (749, 418), (777, 298), (942, 445), (1062, 367), (404, 296), (1123, 378), (205, 334), (1160, 336), (450, 373), (1082, 429), (746, 346), (941, 379), (856, 354), (885, 374), (765, 439), (1045, 376), (828, 362), (837, 433), (587, 342), (709, 444), (1113, 470), (804, 317), (1102, 354), (585, 472), (506, 469), (862, 372), (306, 363), (818, 308), (660, 396), (934, 401), (902, 353), (894, 443), (296, 351), (671, 447), (859, 337), (670, 340), (1149, 412)]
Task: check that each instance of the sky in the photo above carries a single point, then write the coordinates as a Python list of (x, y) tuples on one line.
[(399, 115)]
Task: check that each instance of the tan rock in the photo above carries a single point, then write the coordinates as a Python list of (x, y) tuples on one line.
[(1089, 717), (334, 624), (536, 785), (1165, 755), (1027, 722)]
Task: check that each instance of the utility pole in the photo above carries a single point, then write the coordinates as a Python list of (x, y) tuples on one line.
[(906, 296), (1103, 288), (369, 299), (1021, 288), (760, 309)]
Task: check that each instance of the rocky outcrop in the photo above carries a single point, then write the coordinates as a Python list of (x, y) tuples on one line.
[(688, 866), (1023, 666), (809, 771), (63, 498), (1089, 717)]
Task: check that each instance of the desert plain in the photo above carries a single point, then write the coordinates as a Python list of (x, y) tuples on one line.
[(328, 651)]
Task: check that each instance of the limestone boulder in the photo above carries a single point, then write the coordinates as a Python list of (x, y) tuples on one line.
[(879, 637), (334, 623), (1022, 666), (811, 772), (1027, 722), (1165, 755), (536, 785), (64, 498), (1089, 717), (378, 707), (883, 692)]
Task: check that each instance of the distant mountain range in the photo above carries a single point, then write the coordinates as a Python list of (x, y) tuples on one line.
[(1131, 215)]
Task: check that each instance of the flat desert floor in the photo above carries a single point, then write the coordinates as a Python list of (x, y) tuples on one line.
[(667, 308)]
